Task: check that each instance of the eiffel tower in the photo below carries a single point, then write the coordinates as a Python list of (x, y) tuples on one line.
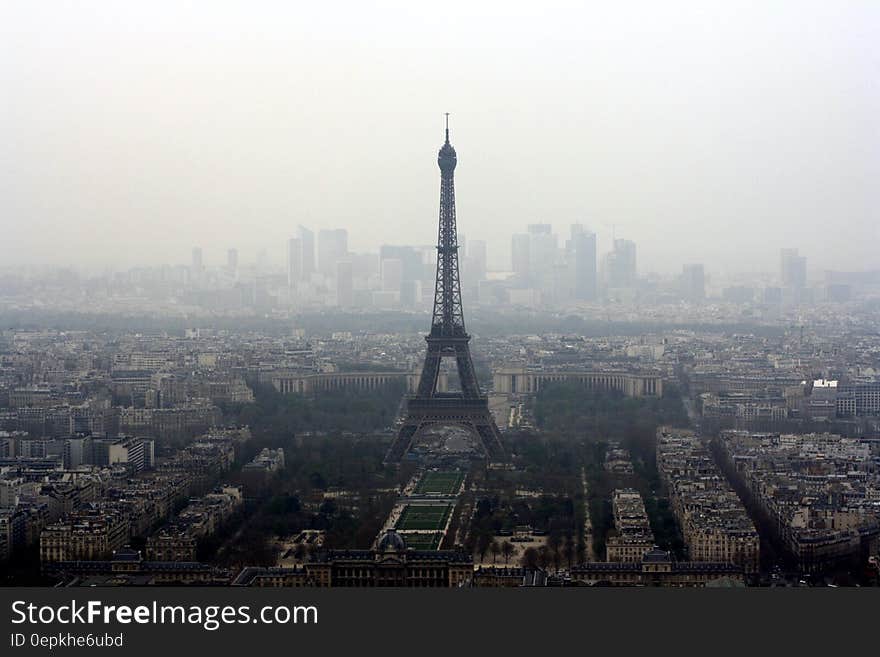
[(448, 339)]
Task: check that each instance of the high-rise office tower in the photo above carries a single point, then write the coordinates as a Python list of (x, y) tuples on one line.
[(693, 283), (620, 265), (344, 284), (543, 252), (410, 259), (232, 261), (519, 257), (332, 247), (294, 261), (197, 260), (307, 246), (477, 258), (792, 269), (365, 267), (392, 274), (411, 272), (473, 269), (582, 263), (262, 260)]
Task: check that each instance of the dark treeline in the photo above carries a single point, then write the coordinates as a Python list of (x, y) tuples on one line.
[(549, 467), (332, 441), (275, 415), (593, 418), (545, 461), (484, 322), (350, 523), (554, 515), (569, 409), (294, 498)]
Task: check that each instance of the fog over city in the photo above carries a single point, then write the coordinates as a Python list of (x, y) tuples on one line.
[(463, 295), (715, 133)]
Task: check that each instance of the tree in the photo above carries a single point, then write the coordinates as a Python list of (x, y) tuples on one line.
[(544, 557), (483, 542), (568, 550), (508, 550), (470, 543), (554, 542), (530, 558), (495, 549)]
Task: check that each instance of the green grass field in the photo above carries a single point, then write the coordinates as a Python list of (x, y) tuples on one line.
[(423, 541), (422, 517), (439, 483)]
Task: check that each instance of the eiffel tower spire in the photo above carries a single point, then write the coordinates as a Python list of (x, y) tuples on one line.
[(448, 339), (448, 316)]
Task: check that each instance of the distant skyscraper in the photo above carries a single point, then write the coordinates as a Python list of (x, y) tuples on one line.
[(620, 265), (693, 283), (197, 260), (772, 295), (232, 261), (543, 257), (262, 260), (332, 247), (307, 240), (738, 294), (477, 258), (365, 267), (294, 261), (793, 269), (404, 278), (344, 284), (582, 263), (392, 274), (410, 258), (519, 256)]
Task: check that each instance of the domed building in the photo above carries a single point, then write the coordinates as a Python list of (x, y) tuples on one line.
[(389, 563), (392, 563), (391, 541)]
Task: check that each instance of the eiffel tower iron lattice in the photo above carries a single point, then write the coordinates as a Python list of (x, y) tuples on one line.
[(448, 338)]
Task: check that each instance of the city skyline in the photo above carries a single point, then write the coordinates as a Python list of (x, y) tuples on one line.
[(498, 259), (141, 134), (545, 272), (244, 348)]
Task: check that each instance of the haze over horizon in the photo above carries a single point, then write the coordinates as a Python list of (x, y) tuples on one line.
[(713, 134)]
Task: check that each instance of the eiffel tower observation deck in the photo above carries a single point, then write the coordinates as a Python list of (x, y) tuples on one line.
[(448, 338)]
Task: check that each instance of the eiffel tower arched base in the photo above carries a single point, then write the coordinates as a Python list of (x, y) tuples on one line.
[(448, 410)]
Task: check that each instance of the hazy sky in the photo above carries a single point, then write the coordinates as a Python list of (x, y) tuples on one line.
[(705, 131)]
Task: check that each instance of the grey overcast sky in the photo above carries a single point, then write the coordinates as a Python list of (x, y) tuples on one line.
[(713, 131)]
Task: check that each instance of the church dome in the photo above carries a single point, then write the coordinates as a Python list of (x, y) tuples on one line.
[(391, 542)]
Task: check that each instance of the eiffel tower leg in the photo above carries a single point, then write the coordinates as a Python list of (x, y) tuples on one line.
[(402, 442), (490, 438), (466, 376), (430, 371)]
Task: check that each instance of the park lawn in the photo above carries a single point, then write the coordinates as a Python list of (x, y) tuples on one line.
[(423, 541), (424, 517), (439, 483)]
